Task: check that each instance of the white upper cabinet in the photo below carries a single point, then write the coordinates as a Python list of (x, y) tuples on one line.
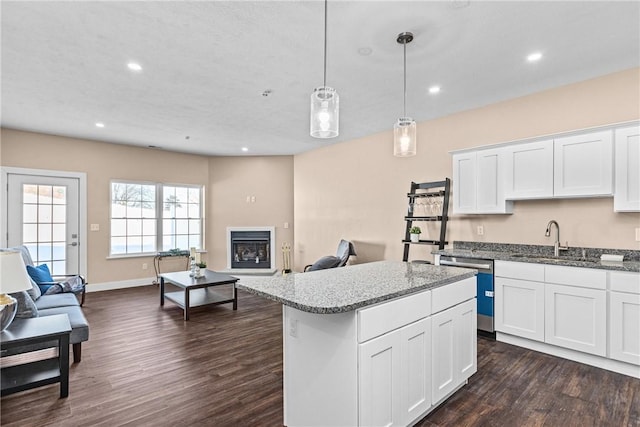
[(478, 184), (583, 165), (626, 197), (464, 183), (571, 165), (529, 170)]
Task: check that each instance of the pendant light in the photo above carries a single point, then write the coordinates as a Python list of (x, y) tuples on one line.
[(324, 101), (404, 131)]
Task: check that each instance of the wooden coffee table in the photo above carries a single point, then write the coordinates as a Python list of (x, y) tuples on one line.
[(198, 292)]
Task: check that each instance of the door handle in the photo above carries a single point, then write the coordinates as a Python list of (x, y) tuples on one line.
[(73, 244)]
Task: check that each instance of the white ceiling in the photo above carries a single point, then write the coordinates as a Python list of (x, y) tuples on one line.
[(207, 64)]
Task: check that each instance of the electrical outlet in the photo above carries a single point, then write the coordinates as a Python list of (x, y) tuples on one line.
[(248, 199), (480, 230), (95, 227), (637, 234), (293, 328), (144, 266), (286, 225), (253, 199)]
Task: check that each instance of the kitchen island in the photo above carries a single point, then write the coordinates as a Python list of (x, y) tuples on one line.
[(381, 343)]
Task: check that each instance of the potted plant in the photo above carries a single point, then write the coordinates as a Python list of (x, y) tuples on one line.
[(415, 234)]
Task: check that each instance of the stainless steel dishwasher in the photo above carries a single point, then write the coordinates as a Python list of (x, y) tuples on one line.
[(485, 286)]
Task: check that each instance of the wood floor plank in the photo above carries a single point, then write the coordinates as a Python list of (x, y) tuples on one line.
[(145, 366)]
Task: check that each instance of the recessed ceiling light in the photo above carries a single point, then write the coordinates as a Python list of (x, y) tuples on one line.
[(365, 51), (99, 125), (133, 66), (535, 56), (434, 89), (245, 149)]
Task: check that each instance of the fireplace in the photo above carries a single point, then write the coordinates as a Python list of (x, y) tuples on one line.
[(251, 248)]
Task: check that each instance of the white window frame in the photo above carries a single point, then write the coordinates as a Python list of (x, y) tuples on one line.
[(159, 218)]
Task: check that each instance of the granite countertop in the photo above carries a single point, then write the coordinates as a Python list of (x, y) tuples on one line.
[(538, 254), (339, 290)]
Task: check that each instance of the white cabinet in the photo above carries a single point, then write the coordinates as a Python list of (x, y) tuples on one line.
[(395, 376), (415, 342), (464, 183), (584, 314), (519, 308), (519, 299), (380, 381), (583, 165), (626, 197), (454, 348), (478, 184), (624, 317), (576, 318), (529, 170)]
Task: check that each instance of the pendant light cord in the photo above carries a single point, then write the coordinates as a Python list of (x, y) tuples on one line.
[(325, 44), (404, 103)]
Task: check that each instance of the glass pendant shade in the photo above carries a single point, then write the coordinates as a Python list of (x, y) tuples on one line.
[(404, 137), (324, 112)]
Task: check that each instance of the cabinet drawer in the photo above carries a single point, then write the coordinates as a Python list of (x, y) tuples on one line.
[(453, 294), (389, 315), (520, 270), (624, 282), (575, 276)]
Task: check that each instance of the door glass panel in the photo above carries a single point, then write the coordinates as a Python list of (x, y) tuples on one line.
[(44, 224)]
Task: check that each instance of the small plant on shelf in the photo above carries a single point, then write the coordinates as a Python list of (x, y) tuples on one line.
[(415, 233), (202, 264)]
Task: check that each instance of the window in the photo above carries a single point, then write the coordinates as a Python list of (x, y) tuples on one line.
[(181, 222), (148, 216)]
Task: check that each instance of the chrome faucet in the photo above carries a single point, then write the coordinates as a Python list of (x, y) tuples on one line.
[(556, 246)]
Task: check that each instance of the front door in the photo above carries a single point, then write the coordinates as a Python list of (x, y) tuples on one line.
[(43, 213)]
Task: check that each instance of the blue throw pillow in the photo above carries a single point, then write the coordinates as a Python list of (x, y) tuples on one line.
[(40, 274)]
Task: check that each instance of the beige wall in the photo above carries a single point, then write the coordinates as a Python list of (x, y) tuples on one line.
[(232, 180), (357, 190), (223, 178)]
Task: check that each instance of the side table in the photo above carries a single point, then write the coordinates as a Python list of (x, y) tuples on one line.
[(23, 332)]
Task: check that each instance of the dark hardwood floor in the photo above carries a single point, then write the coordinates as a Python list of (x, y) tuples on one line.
[(145, 366)]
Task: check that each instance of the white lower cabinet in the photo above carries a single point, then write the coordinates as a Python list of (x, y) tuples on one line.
[(454, 348), (624, 317), (519, 307), (395, 376), (584, 314), (576, 318)]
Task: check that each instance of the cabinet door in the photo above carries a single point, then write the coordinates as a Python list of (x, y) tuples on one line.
[(583, 165), (464, 183), (519, 308), (576, 318), (626, 197), (380, 380), (454, 338), (490, 182), (416, 370), (467, 334), (529, 170), (624, 329), (444, 354)]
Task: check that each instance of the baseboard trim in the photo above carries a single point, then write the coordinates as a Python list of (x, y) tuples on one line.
[(109, 286)]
